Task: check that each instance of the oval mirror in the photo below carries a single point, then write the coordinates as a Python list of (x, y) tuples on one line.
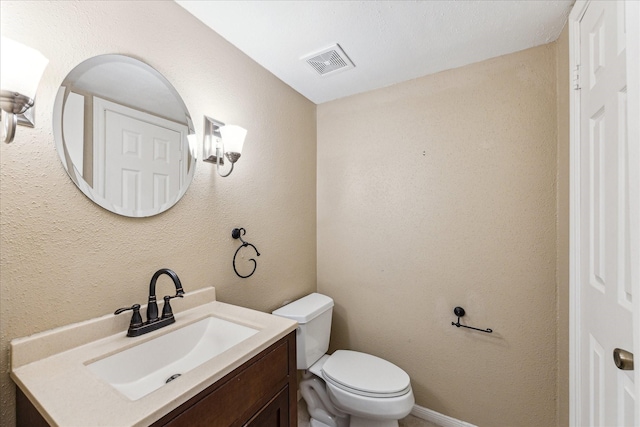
[(124, 135)]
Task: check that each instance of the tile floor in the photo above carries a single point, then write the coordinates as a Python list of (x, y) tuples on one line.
[(410, 421)]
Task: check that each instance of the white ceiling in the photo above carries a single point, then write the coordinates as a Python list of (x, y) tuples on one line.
[(388, 41)]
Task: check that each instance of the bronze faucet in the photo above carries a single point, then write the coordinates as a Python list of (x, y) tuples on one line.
[(137, 327)]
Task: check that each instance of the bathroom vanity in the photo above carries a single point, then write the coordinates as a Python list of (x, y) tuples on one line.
[(262, 392), (251, 383)]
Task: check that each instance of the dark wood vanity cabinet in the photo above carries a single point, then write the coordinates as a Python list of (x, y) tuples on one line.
[(260, 393)]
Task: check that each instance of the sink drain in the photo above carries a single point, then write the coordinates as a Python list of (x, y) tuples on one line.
[(171, 378)]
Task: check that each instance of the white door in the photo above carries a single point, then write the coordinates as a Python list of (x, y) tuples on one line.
[(605, 267), (138, 158), (140, 161)]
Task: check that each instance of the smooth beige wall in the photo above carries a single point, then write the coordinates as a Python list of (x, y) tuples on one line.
[(441, 192), (64, 259), (562, 267)]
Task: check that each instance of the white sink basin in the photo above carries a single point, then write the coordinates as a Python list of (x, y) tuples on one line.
[(139, 370)]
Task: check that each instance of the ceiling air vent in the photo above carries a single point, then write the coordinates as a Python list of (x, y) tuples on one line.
[(330, 60)]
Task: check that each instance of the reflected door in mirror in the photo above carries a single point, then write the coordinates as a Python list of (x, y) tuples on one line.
[(142, 166)]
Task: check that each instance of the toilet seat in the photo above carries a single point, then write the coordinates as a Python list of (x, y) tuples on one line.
[(365, 375)]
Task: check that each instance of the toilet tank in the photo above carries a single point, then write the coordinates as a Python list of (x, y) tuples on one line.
[(313, 314)]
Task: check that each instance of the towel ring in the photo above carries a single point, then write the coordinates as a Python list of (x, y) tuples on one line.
[(237, 233)]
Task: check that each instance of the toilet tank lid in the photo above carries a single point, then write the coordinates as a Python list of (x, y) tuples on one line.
[(306, 308)]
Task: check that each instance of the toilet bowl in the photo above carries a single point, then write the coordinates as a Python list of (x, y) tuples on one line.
[(347, 388)]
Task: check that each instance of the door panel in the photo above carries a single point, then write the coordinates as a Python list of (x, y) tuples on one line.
[(138, 162), (603, 242)]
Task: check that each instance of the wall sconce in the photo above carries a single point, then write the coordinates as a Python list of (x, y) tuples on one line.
[(21, 68), (221, 141)]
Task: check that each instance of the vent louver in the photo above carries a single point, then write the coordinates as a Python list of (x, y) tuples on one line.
[(329, 60)]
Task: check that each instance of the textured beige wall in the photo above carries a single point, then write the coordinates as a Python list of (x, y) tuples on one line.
[(562, 266), (440, 192), (64, 259)]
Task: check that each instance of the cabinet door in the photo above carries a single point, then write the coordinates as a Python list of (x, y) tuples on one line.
[(273, 414)]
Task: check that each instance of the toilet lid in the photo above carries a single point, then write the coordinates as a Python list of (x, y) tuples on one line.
[(365, 374)]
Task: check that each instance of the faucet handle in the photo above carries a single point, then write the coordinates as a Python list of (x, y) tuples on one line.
[(166, 308), (136, 319)]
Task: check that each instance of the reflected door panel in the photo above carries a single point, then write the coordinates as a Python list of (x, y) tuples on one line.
[(138, 158), (139, 164)]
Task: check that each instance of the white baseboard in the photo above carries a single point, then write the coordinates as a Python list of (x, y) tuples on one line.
[(438, 418)]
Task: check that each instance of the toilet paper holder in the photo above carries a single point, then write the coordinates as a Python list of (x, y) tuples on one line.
[(459, 311)]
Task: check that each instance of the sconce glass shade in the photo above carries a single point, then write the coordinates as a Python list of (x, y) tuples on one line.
[(21, 68), (233, 138)]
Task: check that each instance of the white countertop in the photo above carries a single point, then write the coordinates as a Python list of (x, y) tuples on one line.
[(50, 367)]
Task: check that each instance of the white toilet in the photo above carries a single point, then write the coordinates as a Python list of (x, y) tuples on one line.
[(347, 388)]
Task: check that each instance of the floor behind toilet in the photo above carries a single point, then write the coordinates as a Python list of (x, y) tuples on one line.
[(409, 421)]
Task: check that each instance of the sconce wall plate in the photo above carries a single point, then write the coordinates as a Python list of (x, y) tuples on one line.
[(28, 118), (212, 138)]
